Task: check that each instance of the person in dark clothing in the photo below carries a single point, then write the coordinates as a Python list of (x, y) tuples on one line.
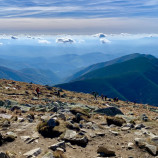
[(102, 97), (38, 91), (58, 93), (105, 97)]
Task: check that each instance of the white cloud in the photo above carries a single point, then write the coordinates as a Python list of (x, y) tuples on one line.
[(42, 41), (1, 44), (104, 40), (65, 40), (100, 35)]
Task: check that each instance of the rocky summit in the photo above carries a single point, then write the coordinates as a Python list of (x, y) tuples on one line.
[(62, 124)]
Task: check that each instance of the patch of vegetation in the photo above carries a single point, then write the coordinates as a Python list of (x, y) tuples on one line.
[(115, 120), (44, 129), (58, 154), (81, 111)]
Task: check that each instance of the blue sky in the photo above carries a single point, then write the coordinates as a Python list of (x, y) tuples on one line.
[(79, 16)]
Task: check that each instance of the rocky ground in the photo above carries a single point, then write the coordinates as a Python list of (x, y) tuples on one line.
[(73, 125)]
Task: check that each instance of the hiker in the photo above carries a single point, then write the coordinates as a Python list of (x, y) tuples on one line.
[(95, 95), (115, 99), (102, 97), (58, 93), (105, 97), (38, 91)]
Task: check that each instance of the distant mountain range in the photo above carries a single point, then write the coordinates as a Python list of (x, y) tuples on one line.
[(29, 75), (133, 77), (52, 70)]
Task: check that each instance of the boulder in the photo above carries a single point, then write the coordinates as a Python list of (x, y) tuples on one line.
[(140, 142), (58, 145), (109, 111), (152, 149), (33, 153), (48, 155), (139, 126), (75, 138), (144, 117), (154, 139)]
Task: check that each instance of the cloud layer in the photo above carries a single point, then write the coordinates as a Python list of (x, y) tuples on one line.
[(78, 8), (79, 16)]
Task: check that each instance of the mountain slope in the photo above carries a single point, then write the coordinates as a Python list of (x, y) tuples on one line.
[(42, 76), (104, 64), (134, 80), (29, 75)]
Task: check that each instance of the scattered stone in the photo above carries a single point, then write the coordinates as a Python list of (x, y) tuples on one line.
[(152, 149), (125, 128), (58, 145), (75, 138), (33, 153), (48, 155), (130, 145), (114, 133), (139, 126), (144, 117), (25, 138), (11, 134), (154, 139), (140, 142), (6, 123), (35, 135)]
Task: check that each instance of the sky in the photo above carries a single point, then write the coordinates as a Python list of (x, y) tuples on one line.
[(78, 16)]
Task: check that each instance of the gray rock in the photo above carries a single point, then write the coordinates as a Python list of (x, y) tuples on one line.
[(11, 134), (114, 133), (21, 119), (62, 116), (140, 142), (144, 117), (35, 135), (25, 138), (33, 153), (3, 155), (48, 155), (125, 128), (58, 145), (109, 111), (154, 139), (70, 134), (34, 98), (130, 145), (6, 116), (75, 138), (152, 149), (6, 123), (139, 126)]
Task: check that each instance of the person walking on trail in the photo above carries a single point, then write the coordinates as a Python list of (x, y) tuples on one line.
[(58, 93), (102, 97), (95, 95), (38, 91)]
